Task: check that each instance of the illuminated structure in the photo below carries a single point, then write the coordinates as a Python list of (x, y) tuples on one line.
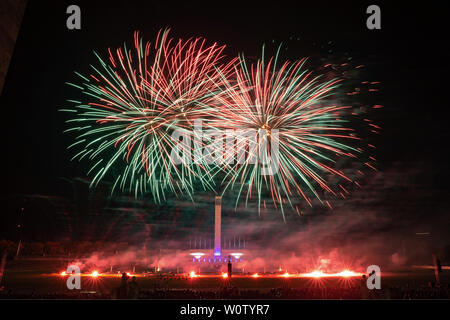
[(217, 226), (223, 251)]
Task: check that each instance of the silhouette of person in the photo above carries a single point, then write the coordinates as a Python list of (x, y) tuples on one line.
[(363, 290), (125, 278), (122, 294), (133, 287)]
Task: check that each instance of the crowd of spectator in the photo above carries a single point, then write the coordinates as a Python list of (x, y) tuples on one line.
[(352, 292), (405, 292)]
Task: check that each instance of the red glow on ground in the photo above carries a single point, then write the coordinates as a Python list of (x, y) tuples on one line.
[(316, 274)]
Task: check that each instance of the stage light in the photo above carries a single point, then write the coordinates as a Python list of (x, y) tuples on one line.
[(128, 274), (94, 274), (286, 275), (63, 273), (197, 255), (224, 275), (255, 275), (192, 274), (237, 255)]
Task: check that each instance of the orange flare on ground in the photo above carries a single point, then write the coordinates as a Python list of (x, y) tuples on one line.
[(315, 274), (347, 273)]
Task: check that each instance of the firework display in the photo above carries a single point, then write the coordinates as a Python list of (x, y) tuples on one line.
[(142, 101), (188, 152), (134, 102), (287, 105)]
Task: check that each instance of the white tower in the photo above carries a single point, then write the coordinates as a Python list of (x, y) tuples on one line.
[(217, 229)]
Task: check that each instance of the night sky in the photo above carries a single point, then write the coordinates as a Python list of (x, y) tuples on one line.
[(408, 55)]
